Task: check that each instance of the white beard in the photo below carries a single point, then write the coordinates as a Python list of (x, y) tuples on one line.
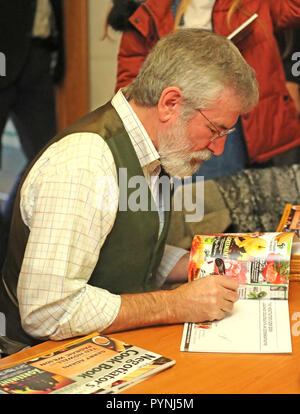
[(176, 156)]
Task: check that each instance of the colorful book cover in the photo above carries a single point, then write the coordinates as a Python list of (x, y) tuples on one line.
[(92, 365), (259, 322)]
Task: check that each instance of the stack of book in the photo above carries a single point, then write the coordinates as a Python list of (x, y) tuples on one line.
[(290, 221), (295, 268)]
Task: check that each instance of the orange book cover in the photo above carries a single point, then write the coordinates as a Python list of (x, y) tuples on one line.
[(95, 364)]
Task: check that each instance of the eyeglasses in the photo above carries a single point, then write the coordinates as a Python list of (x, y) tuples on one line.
[(220, 134)]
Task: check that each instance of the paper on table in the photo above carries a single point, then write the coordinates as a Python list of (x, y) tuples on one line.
[(257, 326)]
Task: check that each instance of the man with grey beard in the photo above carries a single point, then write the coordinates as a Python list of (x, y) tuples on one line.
[(78, 261)]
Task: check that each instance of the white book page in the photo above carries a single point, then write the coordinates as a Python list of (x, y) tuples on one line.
[(255, 326)]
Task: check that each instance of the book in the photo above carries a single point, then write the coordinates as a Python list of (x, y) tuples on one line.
[(243, 30), (290, 221), (94, 364), (259, 322)]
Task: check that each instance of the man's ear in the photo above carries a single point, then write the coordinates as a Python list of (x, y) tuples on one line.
[(169, 104)]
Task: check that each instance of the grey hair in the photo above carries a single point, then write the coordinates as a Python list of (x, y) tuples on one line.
[(202, 64)]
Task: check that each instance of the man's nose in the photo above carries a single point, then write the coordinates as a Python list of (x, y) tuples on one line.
[(217, 146)]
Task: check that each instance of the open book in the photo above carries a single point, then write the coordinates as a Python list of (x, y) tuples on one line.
[(259, 322), (94, 364), (243, 30)]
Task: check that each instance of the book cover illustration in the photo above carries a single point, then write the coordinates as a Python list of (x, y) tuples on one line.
[(259, 261), (259, 322), (92, 365)]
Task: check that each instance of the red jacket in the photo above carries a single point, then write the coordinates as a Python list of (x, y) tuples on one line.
[(272, 127)]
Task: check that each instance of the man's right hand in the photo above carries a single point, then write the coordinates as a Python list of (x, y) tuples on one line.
[(202, 300), (205, 299)]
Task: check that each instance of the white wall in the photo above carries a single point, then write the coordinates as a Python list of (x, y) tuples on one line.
[(102, 54)]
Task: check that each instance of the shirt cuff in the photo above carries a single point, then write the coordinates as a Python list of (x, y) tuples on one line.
[(171, 256)]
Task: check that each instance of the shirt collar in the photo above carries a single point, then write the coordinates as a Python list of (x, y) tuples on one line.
[(142, 144)]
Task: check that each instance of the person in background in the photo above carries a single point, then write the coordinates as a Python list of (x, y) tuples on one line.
[(31, 38), (269, 134), (79, 260)]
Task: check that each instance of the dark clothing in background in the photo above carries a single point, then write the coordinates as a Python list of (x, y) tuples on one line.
[(289, 43), (27, 92), (16, 23)]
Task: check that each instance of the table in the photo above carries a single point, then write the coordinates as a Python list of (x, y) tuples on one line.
[(208, 373)]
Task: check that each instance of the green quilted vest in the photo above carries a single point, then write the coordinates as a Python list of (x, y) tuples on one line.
[(132, 251)]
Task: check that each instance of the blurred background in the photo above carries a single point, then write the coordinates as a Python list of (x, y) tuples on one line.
[(88, 82)]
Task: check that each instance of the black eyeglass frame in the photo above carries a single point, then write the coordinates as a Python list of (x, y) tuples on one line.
[(220, 134)]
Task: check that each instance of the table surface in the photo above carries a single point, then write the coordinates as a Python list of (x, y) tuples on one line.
[(209, 373)]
